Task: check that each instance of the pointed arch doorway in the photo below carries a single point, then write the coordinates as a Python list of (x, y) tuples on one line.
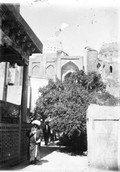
[(68, 68)]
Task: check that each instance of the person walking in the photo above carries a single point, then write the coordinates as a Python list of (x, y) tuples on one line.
[(46, 132), (35, 136), (52, 135)]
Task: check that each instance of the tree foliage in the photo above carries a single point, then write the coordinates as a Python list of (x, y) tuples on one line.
[(66, 102)]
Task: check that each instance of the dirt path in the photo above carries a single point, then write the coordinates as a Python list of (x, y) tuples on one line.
[(55, 159)]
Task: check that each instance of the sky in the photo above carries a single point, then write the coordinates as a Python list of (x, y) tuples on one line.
[(76, 24)]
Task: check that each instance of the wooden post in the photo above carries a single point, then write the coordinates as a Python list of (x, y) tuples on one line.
[(20, 128), (24, 94), (30, 95), (5, 87)]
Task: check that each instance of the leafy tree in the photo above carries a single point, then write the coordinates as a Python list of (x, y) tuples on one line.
[(66, 104)]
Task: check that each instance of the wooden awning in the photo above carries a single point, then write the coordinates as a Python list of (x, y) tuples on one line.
[(17, 40)]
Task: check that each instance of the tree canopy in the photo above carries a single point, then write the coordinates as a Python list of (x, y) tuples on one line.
[(66, 102)]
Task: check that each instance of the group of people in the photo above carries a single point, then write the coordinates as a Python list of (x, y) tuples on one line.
[(40, 130)]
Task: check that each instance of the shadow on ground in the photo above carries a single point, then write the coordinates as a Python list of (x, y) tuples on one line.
[(45, 150), (72, 152)]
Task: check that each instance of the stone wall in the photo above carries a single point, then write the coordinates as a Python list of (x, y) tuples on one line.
[(103, 133)]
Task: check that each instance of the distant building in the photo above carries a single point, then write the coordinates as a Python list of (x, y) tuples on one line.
[(107, 63), (51, 66), (109, 67), (55, 65), (54, 62)]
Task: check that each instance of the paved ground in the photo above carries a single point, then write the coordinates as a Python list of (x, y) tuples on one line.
[(55, 159)]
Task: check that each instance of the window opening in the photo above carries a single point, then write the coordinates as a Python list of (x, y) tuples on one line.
[(111, 70)]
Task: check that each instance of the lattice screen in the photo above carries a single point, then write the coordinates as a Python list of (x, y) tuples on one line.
[(9, 143)]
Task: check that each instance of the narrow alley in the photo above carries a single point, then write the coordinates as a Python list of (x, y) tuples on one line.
[(57, 159)]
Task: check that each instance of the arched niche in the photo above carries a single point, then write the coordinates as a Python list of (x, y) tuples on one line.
[(35, 71), (50, 71)]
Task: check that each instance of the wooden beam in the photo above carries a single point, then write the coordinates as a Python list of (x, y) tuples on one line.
[(23, 26), (9, 42)]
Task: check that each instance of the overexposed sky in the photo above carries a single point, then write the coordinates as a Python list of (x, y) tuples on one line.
[(86, 23)]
